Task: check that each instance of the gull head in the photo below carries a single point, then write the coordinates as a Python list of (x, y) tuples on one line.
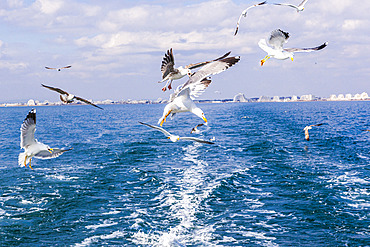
[(197, 111), (50, 150), (174, 138)]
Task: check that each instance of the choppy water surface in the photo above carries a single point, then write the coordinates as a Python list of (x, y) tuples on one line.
[(124, 184)]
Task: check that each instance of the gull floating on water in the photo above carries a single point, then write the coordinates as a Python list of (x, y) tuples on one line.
[(59, 69), (175, 138), (67, 97), (306, 135), (182, 99), (244, 14), (169, 73), (277, 40), (300, 7), (33, 148)]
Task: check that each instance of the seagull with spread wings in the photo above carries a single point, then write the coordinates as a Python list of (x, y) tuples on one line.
[(182, 99), (175, 138), (306, 135), (169, 73), (244, 14), (67, 97), (276, 50), (59, 69), (299, 8), (33, 148)]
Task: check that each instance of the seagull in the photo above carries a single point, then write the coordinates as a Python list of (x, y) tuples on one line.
[(195, 129), (169, 73), (67, 97), (306, 135), (182, 99), (244, 14), (33, 148), (59, 69), (300, 7), (175, 138), (366, 130), (277, 40)]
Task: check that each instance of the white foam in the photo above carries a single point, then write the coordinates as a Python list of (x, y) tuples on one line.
[(88, 241), (106, 223)]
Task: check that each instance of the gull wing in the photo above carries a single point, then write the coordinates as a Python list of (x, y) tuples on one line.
[(167, 63), (198, 82), (244, 13), (277, 39), (263, 45), (28, 129), (302, 3), (196, 140), (286, 4), (87, 102), (45, 154), (320, 47), (316, 124), (66, 67), (165, 132), (55, 89), (49, 68), (197, 65)]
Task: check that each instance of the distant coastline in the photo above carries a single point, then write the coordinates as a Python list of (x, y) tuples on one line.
[(239, 98)]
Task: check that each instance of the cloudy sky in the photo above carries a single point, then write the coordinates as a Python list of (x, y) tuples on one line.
[(116, 47)]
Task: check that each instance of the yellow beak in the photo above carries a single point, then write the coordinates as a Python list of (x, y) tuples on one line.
[(205, 119), (50, 150), (292, 58)]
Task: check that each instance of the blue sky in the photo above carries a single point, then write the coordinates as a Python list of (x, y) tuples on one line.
[(116, 47)]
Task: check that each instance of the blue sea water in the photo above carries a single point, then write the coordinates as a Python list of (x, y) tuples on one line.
[(124, 184)]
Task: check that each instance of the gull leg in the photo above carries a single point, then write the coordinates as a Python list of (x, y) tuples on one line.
[(165, 87), (30, 164), (25, 160), (170, 85), (164, 119), (264, 60)]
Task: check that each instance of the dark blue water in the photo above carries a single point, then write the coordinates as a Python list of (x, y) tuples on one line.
[(124, 184)]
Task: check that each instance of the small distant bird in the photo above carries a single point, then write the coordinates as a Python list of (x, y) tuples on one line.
[(33, 148), (300, 7), (59, 69), (169, 73), (195, 129), (306, 135), (175, 138), (244, 14), (182, 99), (68, 98), (277, 40)]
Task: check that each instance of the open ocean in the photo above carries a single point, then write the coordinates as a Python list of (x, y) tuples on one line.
[(124, 184)]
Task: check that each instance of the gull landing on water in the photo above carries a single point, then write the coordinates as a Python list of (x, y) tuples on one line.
[(33, 148), (182, 99), (59, 69), (299, 8), (306, 135), (68, 98), (277, 40), (169, 73), (175, 138), (244, 14)]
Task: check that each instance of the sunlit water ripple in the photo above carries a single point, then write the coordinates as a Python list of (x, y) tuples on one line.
[(124, 184)]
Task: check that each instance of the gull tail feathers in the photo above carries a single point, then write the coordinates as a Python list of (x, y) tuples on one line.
[(21, 158)]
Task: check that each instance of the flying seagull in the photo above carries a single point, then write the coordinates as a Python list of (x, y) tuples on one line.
[(175, 138), (59, 69), (195, 129), (306, 135), (182, 99), (33, 148), (277, 40), (67, 97), (169, 73), (244, 14), (300, 7)]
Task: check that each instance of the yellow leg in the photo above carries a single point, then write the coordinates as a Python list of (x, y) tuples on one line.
[(164, 119), (264, 60), (30, 164)]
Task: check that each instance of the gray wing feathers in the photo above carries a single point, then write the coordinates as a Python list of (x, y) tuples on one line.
[(157, 128), (28, 129), (196, 139), (45, 154), (320, 47), (167, 63), (278, 38)]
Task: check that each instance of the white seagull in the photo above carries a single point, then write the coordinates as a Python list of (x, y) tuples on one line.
[(33, 148), (175, 138), (244, 14), (169, 73), (300, 7), (67, 97), (59, 69), (182, 99), (277, 40), (306, 135)]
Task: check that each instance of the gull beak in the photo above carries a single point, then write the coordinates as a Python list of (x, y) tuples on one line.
[(178, 138), (50, 150), (292, 58), (205, 119), (168, 137)]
